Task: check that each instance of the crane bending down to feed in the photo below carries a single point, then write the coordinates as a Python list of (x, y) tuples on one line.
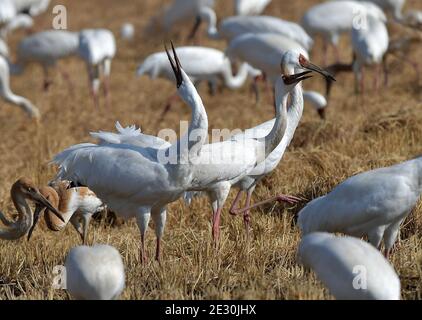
[(337, 261), (235, 26), (372, 204), (369, 46), (46, 48), (202, 64), (216, 177), (148, 178), (76, 205), (333, 18), (22, 191), (97, 47), (250, 7), (182, 11), (94, 273), (9, 96)]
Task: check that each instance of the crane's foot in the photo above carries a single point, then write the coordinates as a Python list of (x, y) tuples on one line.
[(288, 199)]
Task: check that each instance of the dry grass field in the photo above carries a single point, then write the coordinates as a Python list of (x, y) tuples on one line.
[(359, 134)]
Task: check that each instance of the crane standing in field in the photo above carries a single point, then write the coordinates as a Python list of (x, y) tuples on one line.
[(372, 203), (338, 261), (76, 205), (94, 273), (148, 179), (370, 44), (46, 48), (22, 191), (97, 47), (333, 18)]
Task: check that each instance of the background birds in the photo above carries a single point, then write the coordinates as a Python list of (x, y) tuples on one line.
[(350, 268), (94, 273)]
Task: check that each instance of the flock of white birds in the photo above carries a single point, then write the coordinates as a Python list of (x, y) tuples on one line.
[(125, 169)]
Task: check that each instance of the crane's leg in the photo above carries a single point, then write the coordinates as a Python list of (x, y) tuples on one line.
[(390, 236), (336, 53), (385, 69), (218, 197), (47, 81), (85, 222), (66, 77), (159, 217), (106, 73), (246, 214), (76, 223), (278, 198), (142, 219), (94, 83), (235, 205), (324, 52), (375, 236), (216, 226)]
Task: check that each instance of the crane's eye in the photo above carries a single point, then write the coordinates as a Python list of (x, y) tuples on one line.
[(30, 189)]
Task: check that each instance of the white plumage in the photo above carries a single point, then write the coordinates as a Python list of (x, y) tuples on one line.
[(350, 268), (235, 26), (7, 94), (139, 182), (19, 21), (333, 18), (200, 64), (389, 6), (370, 44), (263, 51), (94, 273), (31, 7), (372, 203), (7, 12), (127, 31), (97, 47), (250, 7), (182, 11), (46, 48), (4, 49)]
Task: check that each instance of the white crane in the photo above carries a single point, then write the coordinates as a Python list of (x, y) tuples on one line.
[(46, 48), (372, 203), (333, 18), (370, 44), (234, 26), (7, 12), (140, 182), (76, 205), (94, 273), (350, 268), (97, 47), (31, 7), (275, 137), (201, 64), (4, 49), (22, 191), (250, 7), (7, 94), (182, 11)]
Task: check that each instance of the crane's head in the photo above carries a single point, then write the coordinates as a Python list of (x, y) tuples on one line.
[(293, 60)]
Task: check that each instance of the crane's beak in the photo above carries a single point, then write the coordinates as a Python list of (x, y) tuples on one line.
[(37, 214), (195, 28), (175, 65), (40, 199), (296, 78), (313, 67)]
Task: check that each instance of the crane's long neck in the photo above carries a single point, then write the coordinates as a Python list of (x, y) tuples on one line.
[(209, 16), (235, 82), (294, 114), (189, 145), (66, 207), (15, 230)]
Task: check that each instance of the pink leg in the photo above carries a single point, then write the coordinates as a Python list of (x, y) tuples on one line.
[(157, 251), (279, 198), (235, 207), (376, 79), (107, 91), (387, 253), (255, 88), (246, 215), (143, 253), (95, 98), (216, 226)]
